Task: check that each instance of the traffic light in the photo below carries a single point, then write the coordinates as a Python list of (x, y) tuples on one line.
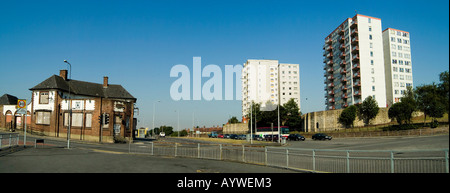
[(106, 119), (100, 119)]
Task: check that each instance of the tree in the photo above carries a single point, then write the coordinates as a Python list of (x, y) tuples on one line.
[(402, 111), (348, 116), (368, 109), (233, 120), (292, 115), (254, 112), (429, 100), (444, 90)]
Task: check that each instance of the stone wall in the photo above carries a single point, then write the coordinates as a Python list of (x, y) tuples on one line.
[(328, 120), (235, 128)]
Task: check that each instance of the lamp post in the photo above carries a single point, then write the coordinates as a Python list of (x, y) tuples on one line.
[(153, 128), (69, 105), (178, 128)]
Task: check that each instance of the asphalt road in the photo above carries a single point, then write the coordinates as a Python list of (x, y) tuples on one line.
[(53, 157), (82, 157), (81, 160), (362, 143)]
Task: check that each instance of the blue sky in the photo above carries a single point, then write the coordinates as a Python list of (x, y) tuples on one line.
[(135, 44)]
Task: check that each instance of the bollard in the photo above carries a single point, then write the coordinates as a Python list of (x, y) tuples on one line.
[(265, 156), (392, 162), (220, 151), (198, 151), (287, 157)]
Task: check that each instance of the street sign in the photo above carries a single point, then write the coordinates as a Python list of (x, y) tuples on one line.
[(21, 111), (21, 104)]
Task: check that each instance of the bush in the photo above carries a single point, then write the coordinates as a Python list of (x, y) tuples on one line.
[(348, 116), (434, 124), (400, 127), (120, 139)]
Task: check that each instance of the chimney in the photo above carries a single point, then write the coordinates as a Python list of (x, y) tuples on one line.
[(105, 82), (63, 74)]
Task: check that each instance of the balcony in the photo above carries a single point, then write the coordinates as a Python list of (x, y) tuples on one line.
[(357, 84), (330, 84), (328, 41), (330, 62), (356, 75), (342, 55), (344, 79), (343, 71), (330, 70), (345, 105), (331, 77), (341, 31), (331, 107), (355, 49), (355, 40), (330, 55), (331, 92), (354, 24), (356, 66), (341, 39), (342, 63), (344, 88), (344, 96), (355, 57), (342, 47), (354, 31), (357, 93)]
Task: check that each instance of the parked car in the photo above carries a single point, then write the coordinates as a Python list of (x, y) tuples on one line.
[(226, 136), (270, 137), (257, 137), (213, 135), (233, 136), (296, 137), (242, 137), (321, 136), (220, 136)]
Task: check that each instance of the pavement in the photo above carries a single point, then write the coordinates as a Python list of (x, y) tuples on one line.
[(86, 157), (54, 157)]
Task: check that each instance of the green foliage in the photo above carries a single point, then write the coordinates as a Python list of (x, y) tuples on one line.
[(368, 109), (182, 133), (168, 130), (289, 116), (233, 120), (401, 112), (429, 100), (444, 90), (292, 115), (348, 116)]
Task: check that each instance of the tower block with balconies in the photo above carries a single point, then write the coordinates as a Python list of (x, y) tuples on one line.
[(354, 63)]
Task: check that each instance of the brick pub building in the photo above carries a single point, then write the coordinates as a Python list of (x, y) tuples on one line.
[(50, 109)]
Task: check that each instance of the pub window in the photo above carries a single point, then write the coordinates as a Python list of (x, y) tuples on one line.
[(43, 117), (89, 120), (77, 119)]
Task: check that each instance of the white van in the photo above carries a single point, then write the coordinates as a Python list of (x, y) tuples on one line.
[(162, 134)]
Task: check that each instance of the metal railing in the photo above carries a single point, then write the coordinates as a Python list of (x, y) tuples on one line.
[(311, 160), (9, 140)]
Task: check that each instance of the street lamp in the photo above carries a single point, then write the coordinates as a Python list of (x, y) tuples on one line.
[(178, 111), (153, 128), (69, 104)]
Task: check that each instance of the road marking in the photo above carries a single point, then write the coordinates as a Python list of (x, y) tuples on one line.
[(104, 151)]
